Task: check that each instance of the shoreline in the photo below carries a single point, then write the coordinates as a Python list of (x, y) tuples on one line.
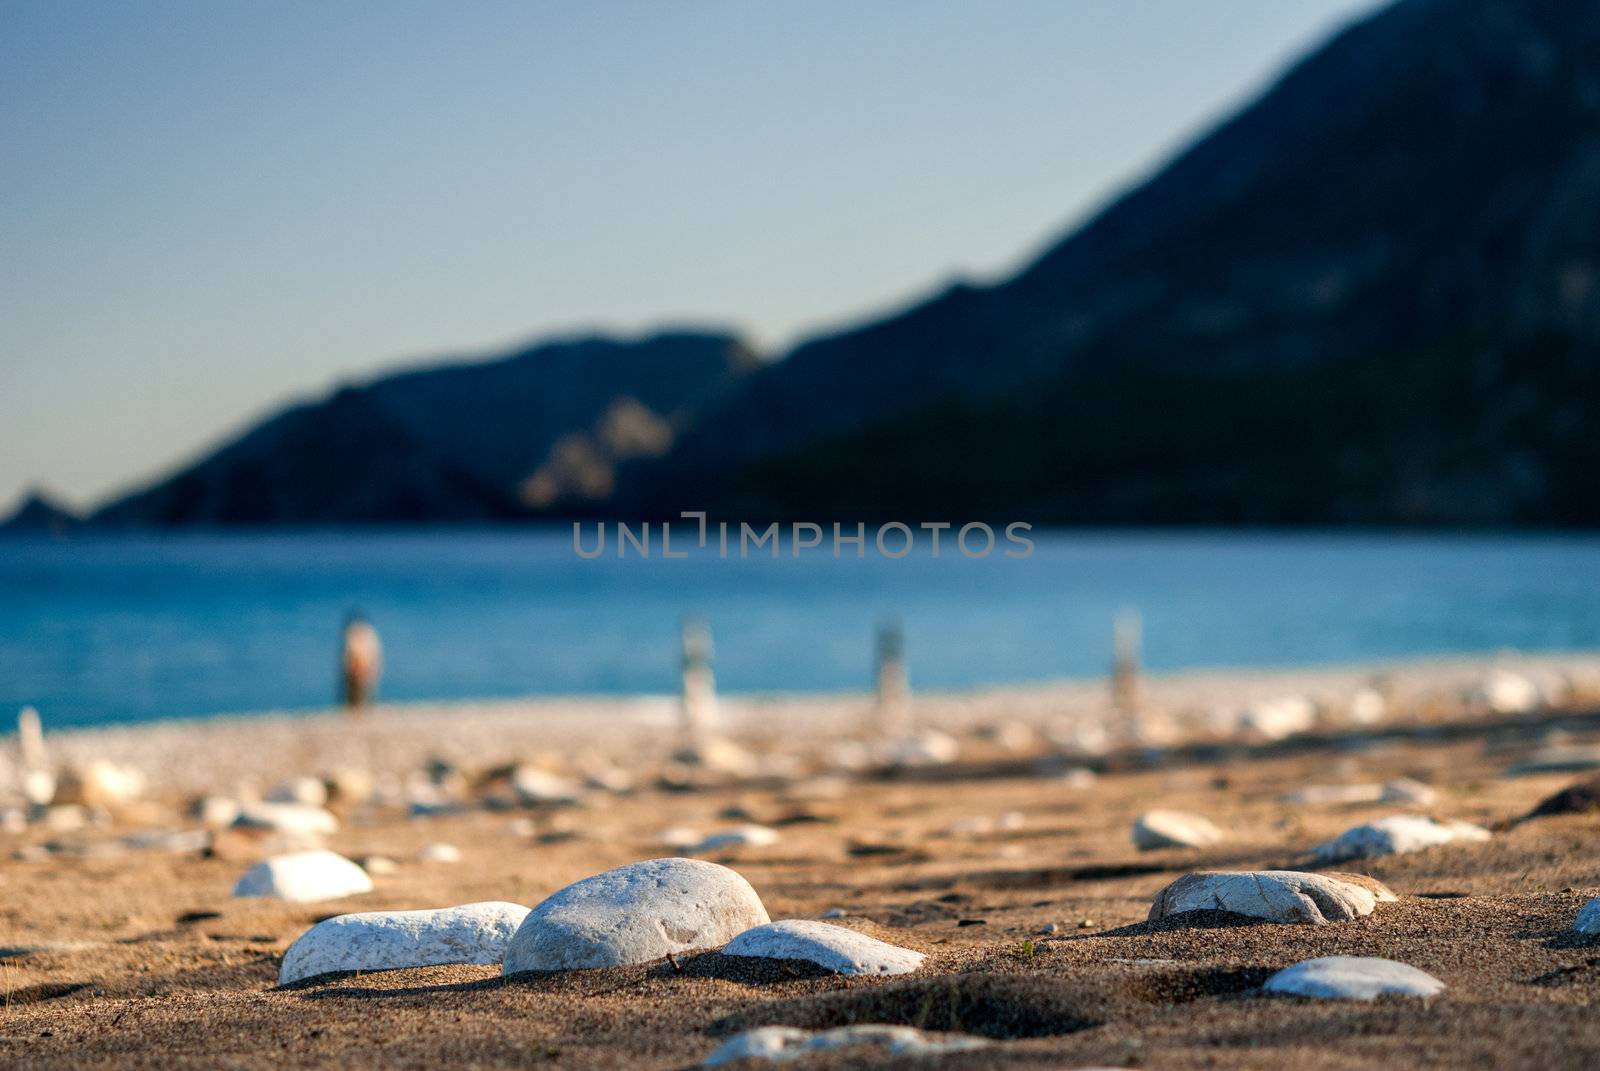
[(221, 751)]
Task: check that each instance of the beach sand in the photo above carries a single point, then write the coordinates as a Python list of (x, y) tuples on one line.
[(116, 956)]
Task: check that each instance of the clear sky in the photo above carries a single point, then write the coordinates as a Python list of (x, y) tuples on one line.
[(210, 207)]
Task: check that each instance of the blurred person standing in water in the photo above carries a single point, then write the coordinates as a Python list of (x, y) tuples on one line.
[(360, 662)]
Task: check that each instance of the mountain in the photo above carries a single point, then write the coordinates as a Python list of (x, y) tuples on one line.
[(38, 514), (540, 429), (1372, 296)]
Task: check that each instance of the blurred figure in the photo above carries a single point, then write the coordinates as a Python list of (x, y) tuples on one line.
[(893, 684), (1127, 636), (360, 663), (699, 694)]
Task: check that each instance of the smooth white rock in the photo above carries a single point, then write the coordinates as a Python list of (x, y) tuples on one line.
[(1405, 790), (1322, 795), (295, 819), (680, 837), (1395, 834), (751, 836), (534, 785), (307, 790), (304, 878), (1352, 978), (1173, 829), (379, 865), (439, 853), (1274, 895), (635, 914), (216, 812), (1367, 707), (1079, 777), (781, 1043), (387, 940), (833, 948), (1280, 717), (1589, 918), (928, 747), (1503, 692)]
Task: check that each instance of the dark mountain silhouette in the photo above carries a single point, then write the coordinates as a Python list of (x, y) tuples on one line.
[(1372, 296), (458, 442), (38, 514)]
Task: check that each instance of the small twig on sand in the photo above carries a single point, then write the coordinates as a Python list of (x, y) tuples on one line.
[(675, 964)]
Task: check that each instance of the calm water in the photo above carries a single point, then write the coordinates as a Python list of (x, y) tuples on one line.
[(119, 629)]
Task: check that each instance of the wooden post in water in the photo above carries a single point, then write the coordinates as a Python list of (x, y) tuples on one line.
[(699, 685), (893, 685), (1127, 636)]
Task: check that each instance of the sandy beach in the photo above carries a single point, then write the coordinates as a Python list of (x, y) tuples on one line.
[(120, 944)]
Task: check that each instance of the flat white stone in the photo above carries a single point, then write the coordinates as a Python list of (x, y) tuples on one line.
[(1280, 717), (534, 785), (752, 836), (1589, 918), (1173, 829), (782, 1043), (1503, 692), (308, 790), (680, 837), (387, 940), (304, 878), (294, 819), (439, 853), (635, 914), (832, 948), (1352, 978), (1405, 790), (1396, 834), (1274, 895)]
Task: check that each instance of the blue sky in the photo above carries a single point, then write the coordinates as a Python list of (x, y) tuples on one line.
[(211, 207)]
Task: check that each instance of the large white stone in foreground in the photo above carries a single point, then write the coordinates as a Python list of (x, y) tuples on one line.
[(832, 948), (1396, 834), (782, 1043), (1273, 895), (1589, 918), (635, 914), (1352, 978), (304, 878), (387, 940), (1173, 829)]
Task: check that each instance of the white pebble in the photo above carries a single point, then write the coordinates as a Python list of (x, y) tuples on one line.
[(307, 790), (386, 940), (1394, 835), (833, 948), (1173, 829), (439, 853), (775, 1043), (1352, 978), (635, 914), (293, 819), (1274, 895), (304, 877), (750, 836)]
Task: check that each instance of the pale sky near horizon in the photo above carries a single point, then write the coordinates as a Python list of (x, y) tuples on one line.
[(211, 208)]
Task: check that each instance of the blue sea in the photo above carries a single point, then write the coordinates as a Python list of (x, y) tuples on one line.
[(125, 628)]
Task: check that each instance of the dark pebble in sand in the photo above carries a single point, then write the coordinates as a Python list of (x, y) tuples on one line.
[(973, 922), (1579, 798)]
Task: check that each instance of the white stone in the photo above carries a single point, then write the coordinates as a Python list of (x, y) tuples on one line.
[(1079, 777), (307, 790), (387, 940), (929, 747), (294, 819), (1352, 978), (1280, 717), (832, 948), (782, 1043), (1589, 918), (216, 812), (100, 784), (680, 837), (439, 853), (1367, 706), (304, 878), (379, 865), (635, 914), (1395, 834), (750, 836), (1173, 829), (1273, 895), (1503, 692), (1405, 790), (1323, 795), (534, 785)]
